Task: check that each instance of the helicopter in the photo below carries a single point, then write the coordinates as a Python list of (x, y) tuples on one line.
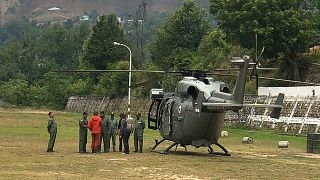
[(194, 114)]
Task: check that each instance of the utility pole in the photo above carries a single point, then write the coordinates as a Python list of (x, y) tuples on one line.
[(141, 15), (0, 14)]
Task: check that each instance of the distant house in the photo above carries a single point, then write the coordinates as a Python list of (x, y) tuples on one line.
[(85, 18), (54, 9), (44, 15)]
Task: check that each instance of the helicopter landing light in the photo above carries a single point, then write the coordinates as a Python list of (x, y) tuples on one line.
[(156, 93)]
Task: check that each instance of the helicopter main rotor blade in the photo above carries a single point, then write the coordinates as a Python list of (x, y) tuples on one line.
[(237, 69), (116, 70), (271, 79), (287, 80)]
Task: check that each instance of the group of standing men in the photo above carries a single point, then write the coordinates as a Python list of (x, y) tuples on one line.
[(103, 129)]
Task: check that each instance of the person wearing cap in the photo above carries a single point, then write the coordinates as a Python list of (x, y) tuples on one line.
[(112, 132), (52, 130), (83, 132), (95, 127), (138, 133)]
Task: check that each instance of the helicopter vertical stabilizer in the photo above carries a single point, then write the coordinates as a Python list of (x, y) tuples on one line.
[(238, 92)]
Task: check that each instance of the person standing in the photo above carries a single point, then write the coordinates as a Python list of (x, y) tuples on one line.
[(95, 127), (105, 126), (120, 129), (83, 132), (113, 128), (138, 133), (125, 132), (52, 130)]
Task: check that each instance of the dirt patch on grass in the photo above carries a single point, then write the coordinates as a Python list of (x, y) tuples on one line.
[(308, 155), (40, 174), (255, 155)]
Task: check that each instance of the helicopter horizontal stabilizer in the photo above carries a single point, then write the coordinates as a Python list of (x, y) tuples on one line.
[(226, 105)]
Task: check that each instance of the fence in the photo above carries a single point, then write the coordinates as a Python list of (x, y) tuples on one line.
[(299, 115), (103, 103)]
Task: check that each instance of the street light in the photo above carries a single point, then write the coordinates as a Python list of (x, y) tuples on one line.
[(129, 91)]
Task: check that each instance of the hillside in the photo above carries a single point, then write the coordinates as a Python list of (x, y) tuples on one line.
[(24, 8)]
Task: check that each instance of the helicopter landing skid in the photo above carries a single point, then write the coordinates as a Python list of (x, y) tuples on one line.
[(225, 151), (166, 151), (175, 144)]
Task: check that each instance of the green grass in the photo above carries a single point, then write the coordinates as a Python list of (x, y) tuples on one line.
[(23, 143), (268, 137)]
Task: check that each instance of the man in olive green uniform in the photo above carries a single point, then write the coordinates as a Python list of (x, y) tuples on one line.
[(105, 126), (138, 133), (112, 132), (83, 132), (52, 130)]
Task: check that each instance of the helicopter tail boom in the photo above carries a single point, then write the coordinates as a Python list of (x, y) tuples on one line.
[(276, 108)]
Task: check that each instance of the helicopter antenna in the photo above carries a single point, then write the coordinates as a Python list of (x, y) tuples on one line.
[(256, 63)]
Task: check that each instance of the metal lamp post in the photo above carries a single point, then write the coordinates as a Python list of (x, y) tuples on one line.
[(129, 89)]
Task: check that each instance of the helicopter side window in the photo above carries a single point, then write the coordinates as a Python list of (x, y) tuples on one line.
[(193, 91), (153, 115), (206, 81)]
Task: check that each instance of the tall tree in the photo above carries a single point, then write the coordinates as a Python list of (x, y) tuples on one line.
[(183, 31), (99, 51), (285, 28)]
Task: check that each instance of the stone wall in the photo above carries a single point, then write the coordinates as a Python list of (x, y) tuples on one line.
[(103, 103)]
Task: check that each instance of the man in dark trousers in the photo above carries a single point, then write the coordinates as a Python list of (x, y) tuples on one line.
[(125, 132), (105, 126), (95, 127), (83, 132), (138, 133), (113, 128), (120, 129), (52, 130)]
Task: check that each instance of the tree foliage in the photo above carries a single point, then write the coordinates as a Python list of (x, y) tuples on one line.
[(282, 26), (99, 50), (29, 55), (183, 30), (285, 28)]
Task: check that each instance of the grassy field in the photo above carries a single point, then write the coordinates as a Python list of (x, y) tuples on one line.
[(23, 143)]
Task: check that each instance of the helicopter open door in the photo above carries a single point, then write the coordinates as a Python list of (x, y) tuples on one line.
[(156, 96), (153, 115)]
